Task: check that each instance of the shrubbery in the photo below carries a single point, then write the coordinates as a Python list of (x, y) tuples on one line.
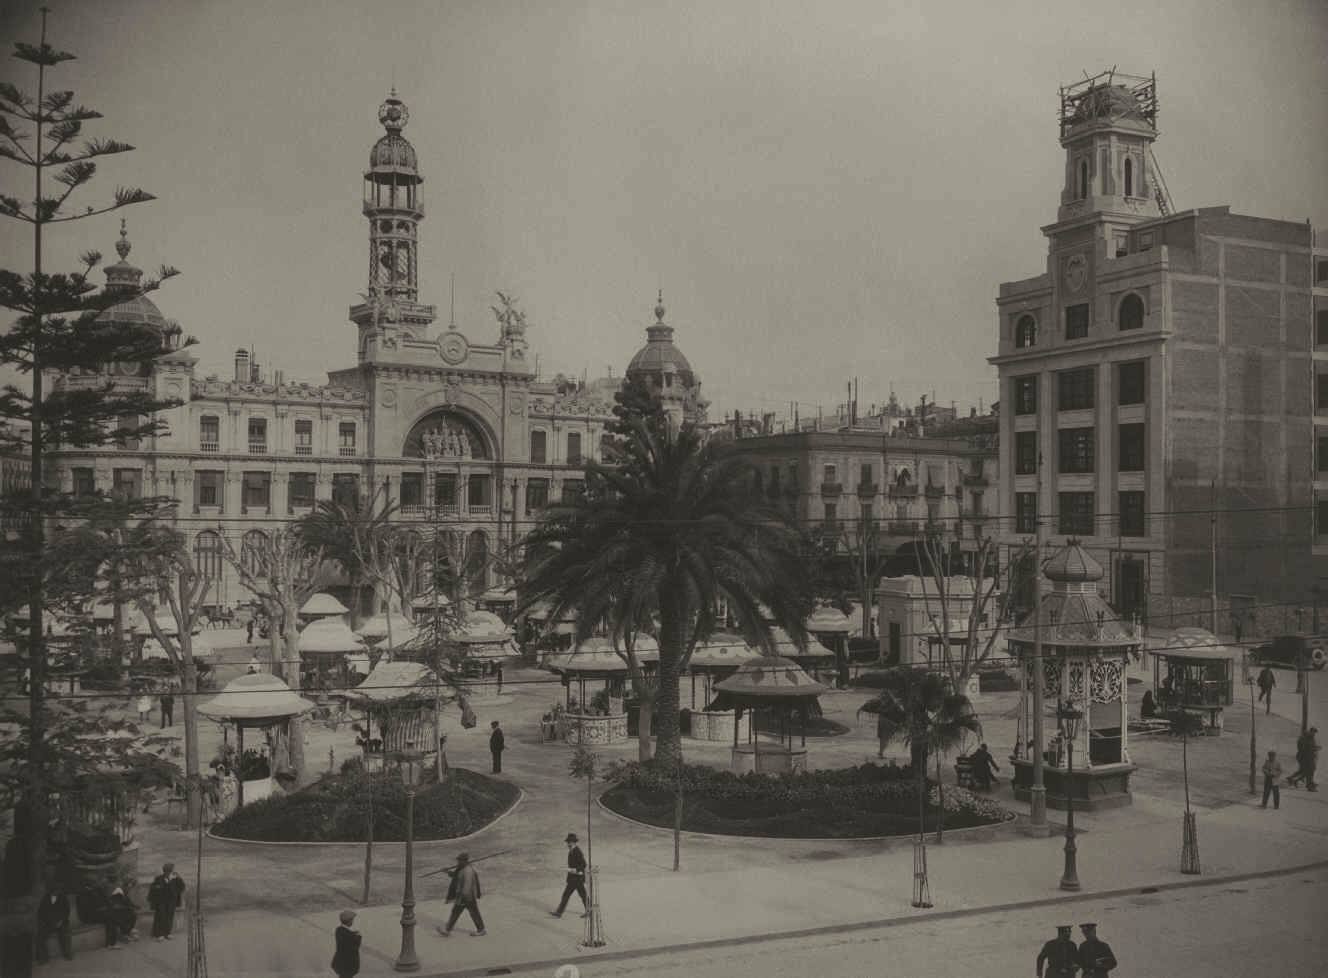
[(336, 809)]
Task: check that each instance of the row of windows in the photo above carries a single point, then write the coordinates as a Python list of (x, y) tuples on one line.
[(1129, 315), (1076, 389), (830, 474), (1076, 450), (209, 436), (1078, 514), (539, 447), (1127, 178)]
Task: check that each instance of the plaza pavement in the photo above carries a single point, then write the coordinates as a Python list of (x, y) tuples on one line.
[(271, 910)]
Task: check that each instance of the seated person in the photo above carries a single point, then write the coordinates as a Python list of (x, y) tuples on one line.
[(1148, 708), (120, 917)]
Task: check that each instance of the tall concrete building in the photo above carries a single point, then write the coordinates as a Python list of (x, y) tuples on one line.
[(1159, 369), (452, 425)]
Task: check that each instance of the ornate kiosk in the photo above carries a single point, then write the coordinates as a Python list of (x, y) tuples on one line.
[(712, 662), (1085, 650), (1197, 676), (254, 702), (769, 682), (477, 651), (325, 649), (596, 660)]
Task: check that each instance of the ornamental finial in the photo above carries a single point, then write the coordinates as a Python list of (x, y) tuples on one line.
[(659, 307), (122, 246)]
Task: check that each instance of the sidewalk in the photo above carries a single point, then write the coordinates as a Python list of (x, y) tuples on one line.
[(1124, 849)]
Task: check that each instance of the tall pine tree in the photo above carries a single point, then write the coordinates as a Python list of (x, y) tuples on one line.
[(58, 335)]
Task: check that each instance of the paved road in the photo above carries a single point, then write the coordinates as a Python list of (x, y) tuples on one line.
[(1271, 928)]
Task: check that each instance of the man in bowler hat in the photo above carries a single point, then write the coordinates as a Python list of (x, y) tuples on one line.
[(1095, 957), (463, 892), (576, 877), (496, 744), (1060, 956)]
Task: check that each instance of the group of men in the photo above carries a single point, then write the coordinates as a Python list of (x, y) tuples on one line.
[(1063, 959)]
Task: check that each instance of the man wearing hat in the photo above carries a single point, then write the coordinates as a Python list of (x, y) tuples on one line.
[(346, 961), (1095, 957), (576, 877), (497, 742), (1060, 955), (164, 897), (464, 894)]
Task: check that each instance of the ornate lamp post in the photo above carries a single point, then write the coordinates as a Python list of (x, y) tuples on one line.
[(1069, 718), (411, 766)]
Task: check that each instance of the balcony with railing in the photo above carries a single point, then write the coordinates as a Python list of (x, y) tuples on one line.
[(347, 451), (975, 480), (832, 488), (257, 447), (868, 488), (907, 491), (304, 449), (209, 446)]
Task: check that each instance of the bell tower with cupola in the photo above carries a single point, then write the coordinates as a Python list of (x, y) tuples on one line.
[(391, 310)]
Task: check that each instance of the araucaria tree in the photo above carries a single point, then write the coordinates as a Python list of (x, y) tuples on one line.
[(57, 333), (664, 532)]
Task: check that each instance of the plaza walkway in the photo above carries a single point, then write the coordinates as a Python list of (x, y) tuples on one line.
[(271, 910)]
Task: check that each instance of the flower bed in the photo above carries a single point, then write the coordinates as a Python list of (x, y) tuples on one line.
[(871, 800), (336, 809)]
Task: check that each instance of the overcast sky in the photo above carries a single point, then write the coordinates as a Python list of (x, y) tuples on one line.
[(823, 190)]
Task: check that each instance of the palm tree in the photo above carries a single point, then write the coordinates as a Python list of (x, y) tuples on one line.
[(660, 535), (921, 710), (334, 527)]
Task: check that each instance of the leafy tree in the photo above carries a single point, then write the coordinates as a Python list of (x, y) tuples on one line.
[(333, 528), (922, 710), (662, 533), (58, 334)]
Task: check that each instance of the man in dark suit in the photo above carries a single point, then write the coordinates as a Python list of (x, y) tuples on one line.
[(164, 895), (1095, 957), (576, 877), (1060, 956), (497, 742), (53, 918)]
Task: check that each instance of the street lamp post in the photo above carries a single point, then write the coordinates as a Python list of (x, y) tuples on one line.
[(1069, 718), (410, 764)]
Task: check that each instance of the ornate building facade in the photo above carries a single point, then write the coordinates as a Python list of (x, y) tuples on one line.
[(454, 428)]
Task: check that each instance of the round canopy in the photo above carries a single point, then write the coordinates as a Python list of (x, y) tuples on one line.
[(723, 651), (499, 595), (255, 700), (330, 635), (322, 605), (375, 628), (1196, 645), (769, 679), (479, 627), (786, 647), (829, 620), (595, 658), (424, 602), (390, 682)]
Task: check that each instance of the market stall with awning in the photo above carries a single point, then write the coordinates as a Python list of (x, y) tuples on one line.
[(258, 701), (712, 661), (777, 684), (325, 647), (595, 661), (401, 702), (1197, 673)]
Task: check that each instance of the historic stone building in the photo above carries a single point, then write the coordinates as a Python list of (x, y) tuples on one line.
[(455, 428), (1157, 372)]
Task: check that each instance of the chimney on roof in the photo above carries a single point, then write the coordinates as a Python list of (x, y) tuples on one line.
[(242, 366), (278, 377)]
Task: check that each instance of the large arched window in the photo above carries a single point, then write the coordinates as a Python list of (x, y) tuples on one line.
[(1083, 180), (1129, 177), (1131, 312), (446, 433), (207, 560), (1025, 332)]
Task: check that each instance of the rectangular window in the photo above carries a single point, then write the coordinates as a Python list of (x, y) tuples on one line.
[(257, 491), (539, 453), (831, 516), (572, 490), (829, 474), (127, 423), (865, 474), (1075, 450), (1321, 391), (346, 438), (1321, 524), (1025, 395), (1076, 514), (300, 490), (537, 494), (346, 488), (1076, 321), (1075, 389), (209, 433), (85, 482), (868, 517), (1321, 456), (412, 488), (1321, 272), (304, 437), (1122, 245), (445, 490), (127, 483), (1132, 514), (208, 489), (1025, 512), (478, 492), (573, 448), (1132, 448), (257, 436), (976, 507), (1130, 383), (1025, 452), (1146, 241), (1321, 327)]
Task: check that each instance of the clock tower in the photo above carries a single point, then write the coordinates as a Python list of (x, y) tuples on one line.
[(391, 311)]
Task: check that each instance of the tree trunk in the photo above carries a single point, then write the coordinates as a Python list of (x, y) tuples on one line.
[(193, 782), (645, 717), (677, 818), (940, 801), (368, 842), (668, 732), (295, 726)]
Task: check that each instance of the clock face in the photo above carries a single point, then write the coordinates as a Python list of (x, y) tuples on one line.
[(1076, 272)]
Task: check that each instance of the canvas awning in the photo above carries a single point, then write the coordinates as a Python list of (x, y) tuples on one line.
[(323, 605), (255, 700), (390, 682), (329, 636)]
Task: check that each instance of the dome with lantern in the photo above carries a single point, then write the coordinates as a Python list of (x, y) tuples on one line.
[(393, 151), (125, 279), (660, 357)]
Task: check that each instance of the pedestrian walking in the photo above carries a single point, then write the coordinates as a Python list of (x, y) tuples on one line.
[(1307, 759), (983, 766), (1060, 955), (167, 709), (346, 960), (1095, 957), (497, 743), (1266, 683), (576, 878), (144, 707), (1272, 774), (53, 920), (249, 631), (164, 895), (464, 894)]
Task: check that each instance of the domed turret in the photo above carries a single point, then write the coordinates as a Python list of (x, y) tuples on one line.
[(124, 278), (666, 371), (391, 203)]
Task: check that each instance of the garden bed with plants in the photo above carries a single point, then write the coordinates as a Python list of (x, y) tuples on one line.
[(846, 803), (336, 808)]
